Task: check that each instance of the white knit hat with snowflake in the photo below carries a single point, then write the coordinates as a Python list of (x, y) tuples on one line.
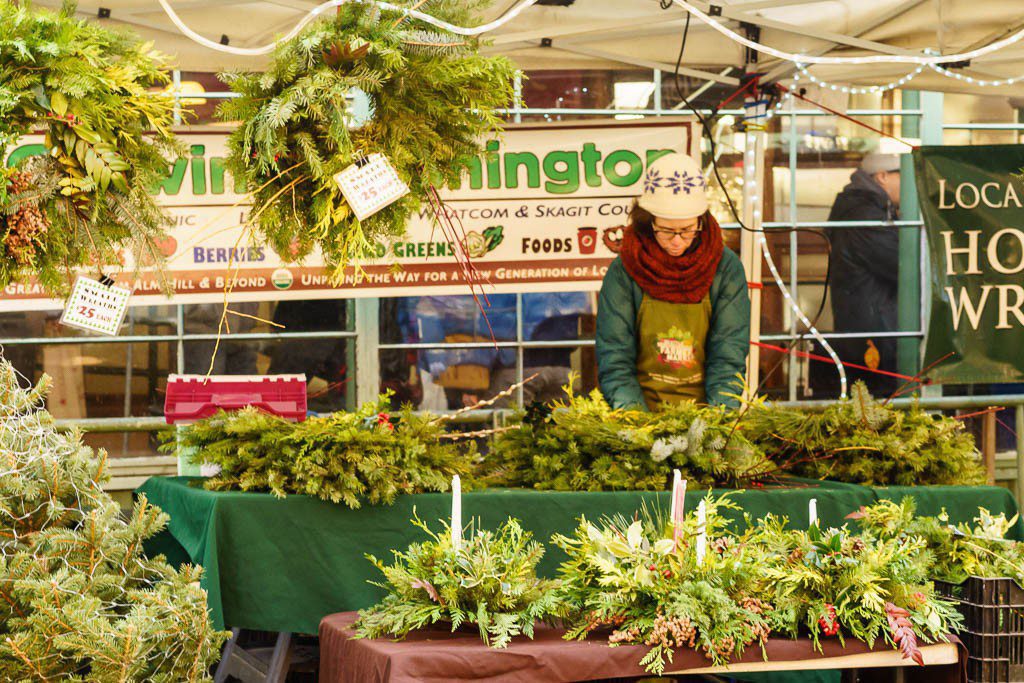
[(674, 188)]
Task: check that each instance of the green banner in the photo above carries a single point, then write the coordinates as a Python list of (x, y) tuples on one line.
[(971, 204)]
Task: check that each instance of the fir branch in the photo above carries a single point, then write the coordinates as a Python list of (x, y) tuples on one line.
[(348, 458), (77, 594)]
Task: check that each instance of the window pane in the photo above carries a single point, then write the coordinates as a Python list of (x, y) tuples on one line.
[(558, 316), (248, 317), (324, 362), (553, 367), (139, 321)]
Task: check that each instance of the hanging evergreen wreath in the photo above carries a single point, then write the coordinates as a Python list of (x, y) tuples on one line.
[(432, 98), (87, 200)]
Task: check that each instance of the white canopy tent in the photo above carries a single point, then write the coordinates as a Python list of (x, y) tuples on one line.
[(606, 33), (601, 34)]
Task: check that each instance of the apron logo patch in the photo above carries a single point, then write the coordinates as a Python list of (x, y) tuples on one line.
[(675, 349)]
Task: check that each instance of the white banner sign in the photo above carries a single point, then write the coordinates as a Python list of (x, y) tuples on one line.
[(542, 210)]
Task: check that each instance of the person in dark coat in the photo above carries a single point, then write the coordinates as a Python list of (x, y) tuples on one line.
[(865, 270)]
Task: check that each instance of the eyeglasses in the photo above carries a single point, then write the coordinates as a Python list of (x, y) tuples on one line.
[(669, 234)]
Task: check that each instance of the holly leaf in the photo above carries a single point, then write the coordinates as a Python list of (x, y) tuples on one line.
[(58, 104), (40, 96)]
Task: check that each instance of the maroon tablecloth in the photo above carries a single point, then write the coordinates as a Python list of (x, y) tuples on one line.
[(437, 655)]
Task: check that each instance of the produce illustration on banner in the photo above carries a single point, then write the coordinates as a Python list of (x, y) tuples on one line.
[(542, 210)]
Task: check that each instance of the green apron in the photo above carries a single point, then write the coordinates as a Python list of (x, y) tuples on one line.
[(670, 350)]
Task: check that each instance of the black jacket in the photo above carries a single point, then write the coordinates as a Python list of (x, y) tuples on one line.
[(865, 270)]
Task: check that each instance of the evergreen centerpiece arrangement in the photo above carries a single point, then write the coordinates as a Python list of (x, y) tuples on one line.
[(866, 441), (87, 200), (583, 444), (367, 456), (489, 581), (632, 578), (835, 583), (432, 98), (958, 552), (78, 599)]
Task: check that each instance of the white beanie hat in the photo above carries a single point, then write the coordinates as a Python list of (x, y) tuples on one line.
[(674, 188), (876, 163)]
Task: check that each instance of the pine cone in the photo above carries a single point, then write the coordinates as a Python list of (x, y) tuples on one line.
[(25, 226), (725, 647), (755, 605), (630, 635)]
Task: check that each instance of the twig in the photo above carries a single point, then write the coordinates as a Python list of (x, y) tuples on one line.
[(917, 378), (228, 286), (198, 235), (484, 404), (418, 42), (996, 409), (1016, 568), (787, 465), (456, 436), (256, 318), (402, 18)]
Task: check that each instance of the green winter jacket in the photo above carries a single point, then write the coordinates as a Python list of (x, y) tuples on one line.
[(726, 347)]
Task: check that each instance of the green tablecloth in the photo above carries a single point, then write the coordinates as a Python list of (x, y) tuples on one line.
[(283, 564)]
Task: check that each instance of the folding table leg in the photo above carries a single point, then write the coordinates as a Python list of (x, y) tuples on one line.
[(277, 671), (224, 668)]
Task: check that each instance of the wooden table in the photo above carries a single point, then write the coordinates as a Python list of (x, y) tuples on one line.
[(438, 655)]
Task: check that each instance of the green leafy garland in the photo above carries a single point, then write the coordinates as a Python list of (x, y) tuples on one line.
[(88, 199), (491, 581), (432, 97), (78, 598), (865, 441), (585, 445), (350, 458)]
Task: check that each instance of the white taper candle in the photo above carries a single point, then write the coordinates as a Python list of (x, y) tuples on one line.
[(702, 533), (676, 478), (456, 513), (678, 505)]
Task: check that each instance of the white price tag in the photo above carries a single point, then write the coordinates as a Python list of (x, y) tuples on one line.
[(371, 185), (95, 306)]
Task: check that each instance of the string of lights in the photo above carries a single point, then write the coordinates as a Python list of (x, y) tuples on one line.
[(929, 57), (753, 199), (862, 90), (984, 82), (899, 83)]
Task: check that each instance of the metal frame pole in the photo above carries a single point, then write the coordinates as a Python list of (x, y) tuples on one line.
[(909, 301), (750, 242)]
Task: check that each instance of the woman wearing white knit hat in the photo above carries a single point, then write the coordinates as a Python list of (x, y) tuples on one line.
[(673, 317)]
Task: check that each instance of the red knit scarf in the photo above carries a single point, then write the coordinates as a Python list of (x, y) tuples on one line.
[(684, 279)]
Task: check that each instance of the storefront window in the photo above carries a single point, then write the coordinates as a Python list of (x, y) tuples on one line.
[(447, 352)]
